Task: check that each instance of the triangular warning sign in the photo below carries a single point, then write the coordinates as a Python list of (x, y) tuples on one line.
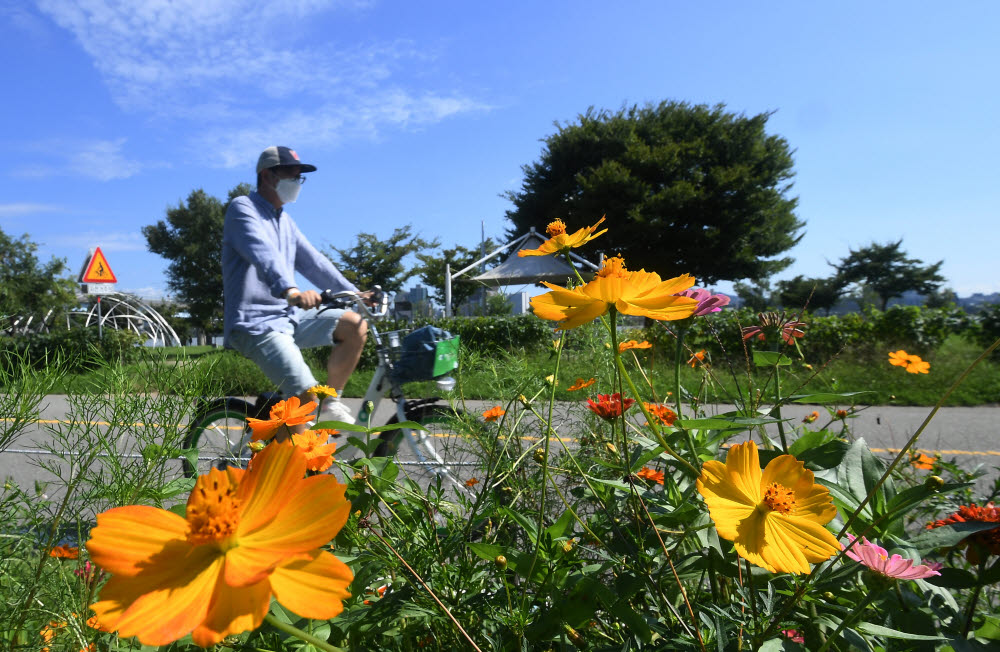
[(98, 270)]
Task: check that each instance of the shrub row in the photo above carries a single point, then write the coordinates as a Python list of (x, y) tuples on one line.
[(79, 349)]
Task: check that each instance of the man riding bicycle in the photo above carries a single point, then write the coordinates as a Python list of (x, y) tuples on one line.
[(267, 317)]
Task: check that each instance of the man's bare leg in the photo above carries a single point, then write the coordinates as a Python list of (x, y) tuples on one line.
[(350, 335)]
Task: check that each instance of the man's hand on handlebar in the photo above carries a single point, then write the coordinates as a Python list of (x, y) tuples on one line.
[(370, 297), (306, 300)]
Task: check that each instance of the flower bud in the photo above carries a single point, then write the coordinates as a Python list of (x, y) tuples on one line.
[(828, 596), (500, 562), (568, 546), (539, 456), (611, 448), (934, 482)]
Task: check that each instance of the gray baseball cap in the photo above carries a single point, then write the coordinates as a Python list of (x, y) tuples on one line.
[(277, 156)]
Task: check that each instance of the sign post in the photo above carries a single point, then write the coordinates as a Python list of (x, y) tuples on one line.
[(97, 270)]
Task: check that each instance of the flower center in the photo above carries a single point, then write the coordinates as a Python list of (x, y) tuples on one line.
[(613, 267), (213, 508), (779, 498), (555, 228)]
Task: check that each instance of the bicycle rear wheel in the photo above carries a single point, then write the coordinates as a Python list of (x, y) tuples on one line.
[(221, 435), (447, 449)]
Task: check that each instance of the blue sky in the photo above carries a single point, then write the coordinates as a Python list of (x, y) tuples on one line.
[(424, 112)]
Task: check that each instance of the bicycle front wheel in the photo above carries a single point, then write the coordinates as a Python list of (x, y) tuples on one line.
[(221, 435), (447, 449)]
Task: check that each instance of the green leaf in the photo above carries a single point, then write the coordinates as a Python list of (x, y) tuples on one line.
[(723, 423), (809, 440), (990, 629), (947, 536), (953, 578), (826, 397), (632, 620), (770, 359), (412, 425), (859, 471), (879, 630), (340, 425)]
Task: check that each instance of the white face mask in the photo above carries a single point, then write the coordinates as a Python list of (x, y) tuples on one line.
[(287, 190)]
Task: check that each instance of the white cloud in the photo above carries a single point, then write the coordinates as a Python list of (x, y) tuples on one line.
[(23, 209), (103, 160), (234, 67), (107, 241)]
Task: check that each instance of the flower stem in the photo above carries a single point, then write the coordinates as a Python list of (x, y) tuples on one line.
[(970, 610), (292, 630), (849, 619)]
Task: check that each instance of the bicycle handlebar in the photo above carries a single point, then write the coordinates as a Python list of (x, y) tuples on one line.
[(347, 298)]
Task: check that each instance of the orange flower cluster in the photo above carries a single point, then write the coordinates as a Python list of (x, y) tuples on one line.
[(912, 363), (661, 413), (632, 344), (580, 384), (922, 462), (609, 406), (316, 446), (494, 413), (647, 473), (284, 414), (65, 552), (987, 541), (697, 358)]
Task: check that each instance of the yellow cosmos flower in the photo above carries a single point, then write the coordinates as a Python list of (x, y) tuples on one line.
[(632, 344), (323, 391), (632, 293), (560, 241), (774, 518), (247, 535)]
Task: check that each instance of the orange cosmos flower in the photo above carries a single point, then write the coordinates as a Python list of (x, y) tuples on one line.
[(609, 406), (494, 413), (317, 448), (912, 363), (639, 293), (65, 552), (471, 482), (647, 473), (559, 241), (696, 358), (774, 518), (922, 462), (661, 413), (580, 384), (632, 344), (812, 416), (247, 535), (286, 413)]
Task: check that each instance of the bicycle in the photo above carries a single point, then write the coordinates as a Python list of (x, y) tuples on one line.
[(220, 433)]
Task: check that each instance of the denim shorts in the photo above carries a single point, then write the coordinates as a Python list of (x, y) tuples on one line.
[(279, 355)]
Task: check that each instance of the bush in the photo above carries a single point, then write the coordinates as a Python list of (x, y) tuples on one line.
[(80, 349), (985, 327)]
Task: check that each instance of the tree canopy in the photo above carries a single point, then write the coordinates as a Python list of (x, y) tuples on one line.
[(684, 188), (886, 271), (379, 261), (814, 293), (191, 239), (29, 287)]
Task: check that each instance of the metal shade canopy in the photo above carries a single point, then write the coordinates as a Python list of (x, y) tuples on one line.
[(516, 270), (530, 269)]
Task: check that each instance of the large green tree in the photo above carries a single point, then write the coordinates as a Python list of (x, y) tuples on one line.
[(29, 287), (191, 239), (685, 189), (380, 261), (432, 268), (886, 270), (814, 293)]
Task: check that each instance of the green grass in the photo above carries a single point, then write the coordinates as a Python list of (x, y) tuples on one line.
[(482, 376)]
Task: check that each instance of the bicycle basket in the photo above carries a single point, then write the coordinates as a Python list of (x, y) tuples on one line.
[(426, 353)]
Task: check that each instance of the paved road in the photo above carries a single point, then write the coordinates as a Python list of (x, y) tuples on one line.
[(969, 435)]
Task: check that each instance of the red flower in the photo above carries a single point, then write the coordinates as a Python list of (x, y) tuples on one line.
[(661, 413), (65, 552), (609, 406), (987, 540), (771, 323)]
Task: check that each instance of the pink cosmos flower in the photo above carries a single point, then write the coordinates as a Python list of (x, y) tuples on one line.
[(707, 302), (896, 567), (793, 635)]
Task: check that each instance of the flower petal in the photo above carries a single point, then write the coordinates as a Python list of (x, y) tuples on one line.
[(313, 588), (727, 504), (743, 467), (794, 541), (233, 611), (264, 489), (165, 602), (312, 516), (126, 538)]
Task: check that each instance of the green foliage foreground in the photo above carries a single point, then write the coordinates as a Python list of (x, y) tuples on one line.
[(563, 535)]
